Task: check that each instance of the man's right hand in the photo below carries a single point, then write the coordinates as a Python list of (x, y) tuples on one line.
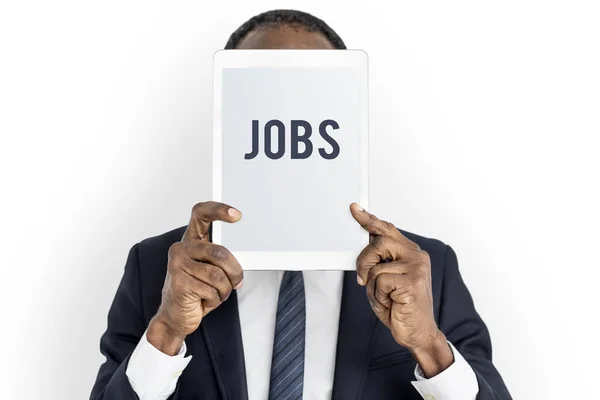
[(200, 276)]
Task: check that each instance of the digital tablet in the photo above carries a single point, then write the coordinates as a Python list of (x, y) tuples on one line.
[(291, 153)]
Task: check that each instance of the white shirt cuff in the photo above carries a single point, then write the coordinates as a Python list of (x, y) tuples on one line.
[(457, 382), (152, 374)]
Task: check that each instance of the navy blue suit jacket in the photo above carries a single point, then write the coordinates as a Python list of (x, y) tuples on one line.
[(369, 365)]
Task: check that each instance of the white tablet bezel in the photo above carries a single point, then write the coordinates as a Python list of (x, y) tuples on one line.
[(294, 260)]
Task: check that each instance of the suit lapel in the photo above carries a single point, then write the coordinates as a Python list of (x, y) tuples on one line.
[(356, 332), (222, 333)]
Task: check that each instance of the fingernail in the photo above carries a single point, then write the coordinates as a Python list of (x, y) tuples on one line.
[(239, 285), (360, 280), (359, 207), (234, 213)]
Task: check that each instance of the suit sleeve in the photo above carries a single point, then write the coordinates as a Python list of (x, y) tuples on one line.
[(465, 329), (126, 325)]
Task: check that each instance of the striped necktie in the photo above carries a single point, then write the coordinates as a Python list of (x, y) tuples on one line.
[(287, 366)]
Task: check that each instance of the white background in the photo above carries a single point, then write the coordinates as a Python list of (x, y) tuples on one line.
[(484, 122)]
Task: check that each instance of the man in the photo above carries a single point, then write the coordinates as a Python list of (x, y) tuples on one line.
[(402, 326)]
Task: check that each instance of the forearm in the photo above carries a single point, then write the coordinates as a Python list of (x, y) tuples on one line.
[(163, 338)]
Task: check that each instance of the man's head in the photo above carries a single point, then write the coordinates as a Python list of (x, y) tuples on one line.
[(284, 29)]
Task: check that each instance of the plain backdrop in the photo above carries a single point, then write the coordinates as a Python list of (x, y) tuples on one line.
[(484, 134)]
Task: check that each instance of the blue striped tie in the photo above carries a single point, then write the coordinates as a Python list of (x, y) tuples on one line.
[(287, 367)]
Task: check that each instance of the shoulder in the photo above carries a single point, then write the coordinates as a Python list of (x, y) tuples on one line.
[(160, 244), (425, 243), (436, 249), (153, 252)]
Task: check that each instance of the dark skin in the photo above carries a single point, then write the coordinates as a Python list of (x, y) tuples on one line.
[(395, 272)]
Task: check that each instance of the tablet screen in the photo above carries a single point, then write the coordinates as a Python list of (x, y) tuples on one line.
[(294, 195)]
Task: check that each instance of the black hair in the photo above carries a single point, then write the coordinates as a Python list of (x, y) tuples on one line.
[(292, 18)]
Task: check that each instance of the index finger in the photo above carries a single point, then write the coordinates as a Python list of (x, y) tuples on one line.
[(371, 223), (376, 226), (205, 213)]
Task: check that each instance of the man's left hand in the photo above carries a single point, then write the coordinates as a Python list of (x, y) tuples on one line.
[(397, 276)]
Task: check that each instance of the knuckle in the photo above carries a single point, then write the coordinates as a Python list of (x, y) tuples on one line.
[(212, 296), (198, 208), (421, 284), (402, 295), (384, 298), (176, 252), (423, 256), (371, 275), (402, 282), (360, 260), (216, 274), (371, 222), (422, 270), (220, 253), (408, 298), (382, 225), (384, 244), (416, 280), (388, 226), (374, 272), (237, 275), (382, 281)]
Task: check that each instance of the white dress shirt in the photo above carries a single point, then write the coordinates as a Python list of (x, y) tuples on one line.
[(153, 375)]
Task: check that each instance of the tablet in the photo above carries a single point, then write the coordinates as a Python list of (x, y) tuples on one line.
[(291, 153)]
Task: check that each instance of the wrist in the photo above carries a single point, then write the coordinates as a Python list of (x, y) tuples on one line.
[(163, 338), (434, 354)]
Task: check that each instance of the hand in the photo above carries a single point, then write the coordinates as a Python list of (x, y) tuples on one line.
[(200, 276), (397, 276)]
